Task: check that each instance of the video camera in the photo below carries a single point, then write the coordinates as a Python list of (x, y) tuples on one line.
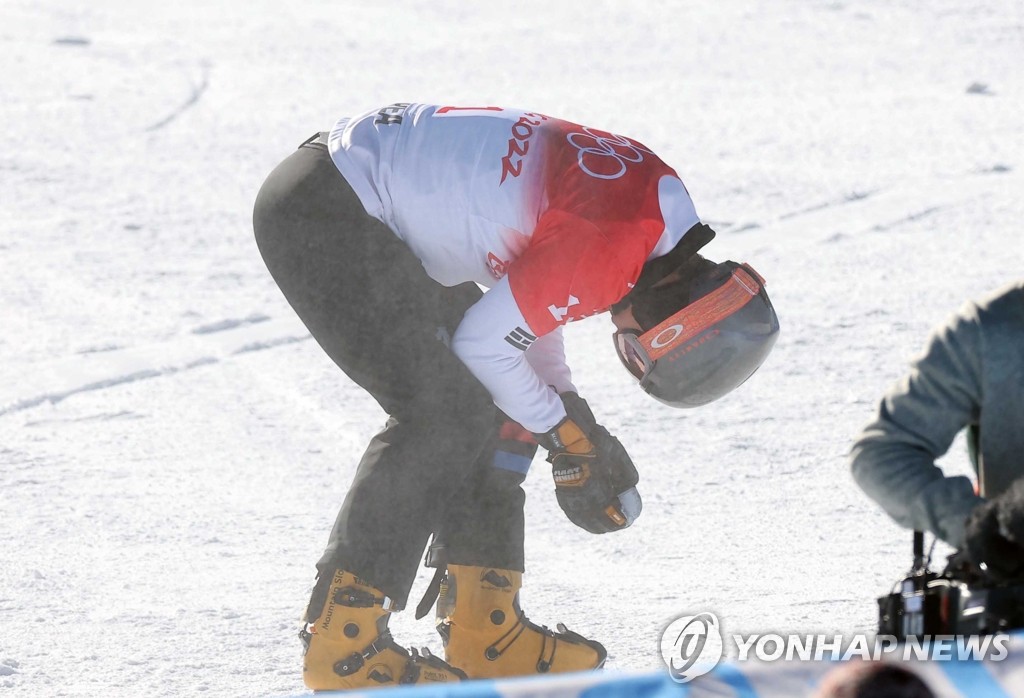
[(959, 601)]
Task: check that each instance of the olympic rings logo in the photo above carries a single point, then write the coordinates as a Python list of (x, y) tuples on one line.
[(605, 157)]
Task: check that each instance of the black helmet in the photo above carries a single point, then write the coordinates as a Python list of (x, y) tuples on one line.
[(723, 328)]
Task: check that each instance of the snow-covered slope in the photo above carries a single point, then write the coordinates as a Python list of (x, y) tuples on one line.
[(173, 447)]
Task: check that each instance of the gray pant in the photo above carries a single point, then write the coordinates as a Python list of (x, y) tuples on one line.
[(444, 463)]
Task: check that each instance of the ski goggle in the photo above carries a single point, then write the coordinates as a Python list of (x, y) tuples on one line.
[(709, 347)]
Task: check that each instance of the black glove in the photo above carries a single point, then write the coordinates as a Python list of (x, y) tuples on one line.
[(595, 480), (1010, 511), (994, 534)]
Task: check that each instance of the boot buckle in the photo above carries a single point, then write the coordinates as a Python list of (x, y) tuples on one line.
[(357, 598), (350, 665), (355, 661)]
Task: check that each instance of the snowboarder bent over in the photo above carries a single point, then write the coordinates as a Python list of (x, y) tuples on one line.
[(380, 235)]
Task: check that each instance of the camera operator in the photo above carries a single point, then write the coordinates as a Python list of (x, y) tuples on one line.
[(971, 376)]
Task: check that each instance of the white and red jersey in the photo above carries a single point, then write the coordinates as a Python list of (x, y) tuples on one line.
[(557, 219)]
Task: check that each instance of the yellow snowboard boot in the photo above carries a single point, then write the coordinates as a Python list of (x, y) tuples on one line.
[(348, 644), (487, 635)]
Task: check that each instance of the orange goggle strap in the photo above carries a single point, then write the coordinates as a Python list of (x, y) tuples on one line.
[(742, 287)]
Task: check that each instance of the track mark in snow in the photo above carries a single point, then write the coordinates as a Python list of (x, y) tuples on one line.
[(103, 417), (72, 41), (882, 227), (266, 344), (745, 227), (884, 209), (57, 396), (733, 226), (825, 602), (229, 324), (98, 349), (53, 381), (998, 168), (197, 92), (849, 198)]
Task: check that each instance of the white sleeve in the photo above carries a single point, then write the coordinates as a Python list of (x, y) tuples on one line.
[(547, 357), (492, 341)]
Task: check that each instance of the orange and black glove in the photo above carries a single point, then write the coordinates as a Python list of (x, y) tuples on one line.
[(595, 479)]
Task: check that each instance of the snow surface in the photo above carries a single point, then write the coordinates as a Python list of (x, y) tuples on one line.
[(173, 446)]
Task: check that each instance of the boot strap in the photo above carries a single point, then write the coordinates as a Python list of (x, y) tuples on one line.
[(412, 668), (357, 598), (305, 636), (495, 650), (430, 595), (355, 661), (424, 658), (544, 665), (411, 672)]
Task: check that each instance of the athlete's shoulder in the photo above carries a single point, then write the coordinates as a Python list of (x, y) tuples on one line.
[(570, 270)]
